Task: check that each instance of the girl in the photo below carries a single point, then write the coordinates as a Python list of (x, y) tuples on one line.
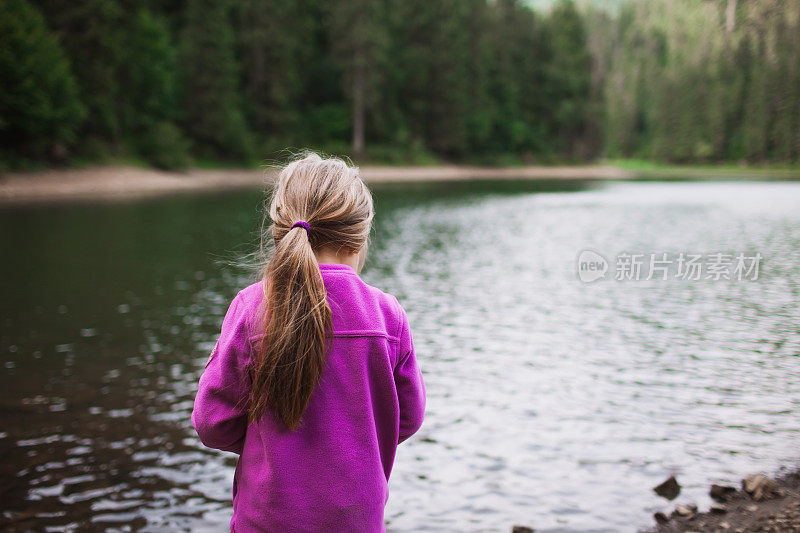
[(313, 381)]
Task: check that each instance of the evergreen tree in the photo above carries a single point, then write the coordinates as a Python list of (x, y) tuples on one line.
[(569, 77), (211, 99), (431, 40), (358, 41), (519, 70), (39, 105), (92, 32), (479, 109), (278, 45), (150, 98)]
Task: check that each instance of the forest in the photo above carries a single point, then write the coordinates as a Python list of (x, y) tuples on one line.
[(177, 83)]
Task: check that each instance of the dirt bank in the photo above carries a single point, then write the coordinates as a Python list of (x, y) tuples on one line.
[(132, 182)]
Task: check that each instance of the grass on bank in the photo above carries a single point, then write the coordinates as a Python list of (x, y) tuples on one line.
[(730, 170)]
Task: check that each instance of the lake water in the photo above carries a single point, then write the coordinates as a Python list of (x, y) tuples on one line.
[(552, 403)]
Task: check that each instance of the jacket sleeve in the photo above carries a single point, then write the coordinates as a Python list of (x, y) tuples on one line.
[(409, 384), (220, 408)]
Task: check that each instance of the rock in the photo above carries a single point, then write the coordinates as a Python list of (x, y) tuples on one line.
[(724, 525), (752, 508), (759, 487), (521, 529), (685, 510), (721, 493), (669, 489), (718, 509), (661, 518)]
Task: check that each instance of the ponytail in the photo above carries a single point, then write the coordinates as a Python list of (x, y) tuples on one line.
[(297, 322), (297, 331)]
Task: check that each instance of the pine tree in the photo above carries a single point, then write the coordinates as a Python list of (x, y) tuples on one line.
[(432, 39), (277, 40), (479, 108), (358, 41), (569, 77), (39, 105), (149, 101), (92, 33), (211, 98)]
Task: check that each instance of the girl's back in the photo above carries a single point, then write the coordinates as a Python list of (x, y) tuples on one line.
[(330, 472)]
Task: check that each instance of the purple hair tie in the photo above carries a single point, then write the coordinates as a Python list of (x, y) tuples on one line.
[(302, 224)]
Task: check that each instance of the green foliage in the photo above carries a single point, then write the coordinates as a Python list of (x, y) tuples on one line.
[(92, 34), (277, 47), (428, 77), (479, 81), (149, 102), (688, 84), (358, 39), (569, 77), (39, 105), (164, 146), (211, 102)]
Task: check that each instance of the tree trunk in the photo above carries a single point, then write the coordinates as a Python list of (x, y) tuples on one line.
[(730, 17), (358, 108)]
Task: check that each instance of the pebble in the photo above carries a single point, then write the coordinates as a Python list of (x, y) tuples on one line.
[(759, 487), (721, 493), (685, 509), (661, 518)]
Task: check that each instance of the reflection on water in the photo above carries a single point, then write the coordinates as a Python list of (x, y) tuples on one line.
[(552, 403)]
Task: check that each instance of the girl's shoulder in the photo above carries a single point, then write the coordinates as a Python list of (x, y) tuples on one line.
[(245, 309), (252, 296)]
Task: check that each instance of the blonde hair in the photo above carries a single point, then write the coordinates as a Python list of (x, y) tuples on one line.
[(331, 198)]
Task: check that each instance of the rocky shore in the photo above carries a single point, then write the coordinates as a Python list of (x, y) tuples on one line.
[(761, 504)]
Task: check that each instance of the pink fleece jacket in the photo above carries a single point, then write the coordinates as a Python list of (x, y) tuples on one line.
[(331, 474)]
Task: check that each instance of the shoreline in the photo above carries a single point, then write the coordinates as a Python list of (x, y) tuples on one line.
[(129, 182)]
